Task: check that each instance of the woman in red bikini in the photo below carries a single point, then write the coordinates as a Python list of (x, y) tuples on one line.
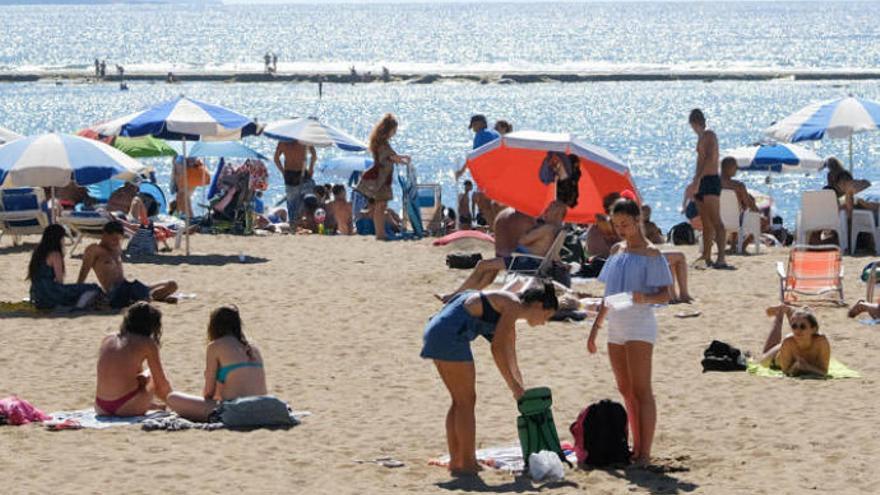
[(124, 388)]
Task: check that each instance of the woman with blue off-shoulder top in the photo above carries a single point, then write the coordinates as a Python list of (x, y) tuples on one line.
[(636, 276)]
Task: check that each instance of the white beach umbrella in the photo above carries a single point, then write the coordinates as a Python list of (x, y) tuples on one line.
[(6, 135), (311, 132)]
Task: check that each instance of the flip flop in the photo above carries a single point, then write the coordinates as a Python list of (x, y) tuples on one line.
[(688, 314), (723, 266)]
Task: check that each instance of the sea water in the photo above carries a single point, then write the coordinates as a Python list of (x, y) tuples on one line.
[(643, 123)]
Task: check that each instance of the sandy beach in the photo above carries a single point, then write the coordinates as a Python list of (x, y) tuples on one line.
[(339, 321)]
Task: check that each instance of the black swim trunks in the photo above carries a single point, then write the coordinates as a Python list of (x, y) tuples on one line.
[(710, 185), (293, 177)]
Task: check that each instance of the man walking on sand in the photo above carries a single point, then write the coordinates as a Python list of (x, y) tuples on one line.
[(706, 190)]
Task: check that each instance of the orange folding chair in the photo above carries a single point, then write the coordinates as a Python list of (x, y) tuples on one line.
[(811, 271)]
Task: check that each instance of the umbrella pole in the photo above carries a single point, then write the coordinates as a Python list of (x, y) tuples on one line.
[(186, 194), (850, 154)]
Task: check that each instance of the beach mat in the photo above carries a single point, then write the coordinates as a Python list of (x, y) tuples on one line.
[(88, 419), (503, 458), (173, 422), (836, 369)]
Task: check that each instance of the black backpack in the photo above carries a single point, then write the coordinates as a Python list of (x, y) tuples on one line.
[(720, 356), (682, 234), (463, 261), (601, 431)]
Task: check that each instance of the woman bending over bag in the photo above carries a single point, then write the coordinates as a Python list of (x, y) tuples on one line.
[(471, 314), (233, 369)]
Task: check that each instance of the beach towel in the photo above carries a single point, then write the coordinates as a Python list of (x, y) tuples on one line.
[(464, 234), (89, 419), (173, 422), (870, 322), (836, 369), (17, 307), (507, 458), (15, 411)]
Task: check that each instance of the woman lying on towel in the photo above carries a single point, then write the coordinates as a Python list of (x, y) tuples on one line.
[(234, 368), (46, 273), (471, 314), (124, 388), (805, 351)]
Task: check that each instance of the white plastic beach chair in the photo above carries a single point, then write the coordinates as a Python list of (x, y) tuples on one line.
[(23, 211), (820, 211), (84, 224), (742, 223), (863, 223), (543, 270)]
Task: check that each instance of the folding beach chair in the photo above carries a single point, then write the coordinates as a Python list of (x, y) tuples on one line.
[(820, 211), (811, 271), (742, 223), (546, 262), (428, 202), (23, 211), (84, 224)]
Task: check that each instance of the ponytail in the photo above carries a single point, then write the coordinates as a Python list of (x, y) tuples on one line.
[(545, 294)]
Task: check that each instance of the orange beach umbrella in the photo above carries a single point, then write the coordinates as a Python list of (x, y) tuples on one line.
[(507, 170)]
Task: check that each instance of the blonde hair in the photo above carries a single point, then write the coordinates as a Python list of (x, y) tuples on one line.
[(382, 133)]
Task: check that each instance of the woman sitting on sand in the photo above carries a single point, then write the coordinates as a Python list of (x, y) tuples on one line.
[(638, 268), (805, 351), (471, 314), (124, 388), (46, 273), (234, 368)]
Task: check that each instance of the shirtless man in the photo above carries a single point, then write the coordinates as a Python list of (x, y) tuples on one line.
[(536, 241), (728, 171), (706, 190), (105, 257), (340, 210), (805, 351), (297, 179), (509, 226), (487, 210), (465, 216)]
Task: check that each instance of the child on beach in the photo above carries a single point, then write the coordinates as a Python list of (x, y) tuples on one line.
[(492, 315), (465, 219), (805, 351), (234, 368), (636, 268), (120, 365), (340, 210)]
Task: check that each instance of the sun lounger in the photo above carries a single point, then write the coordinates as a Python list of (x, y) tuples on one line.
[(546, 261), (742, 223), (813, 271), (23, 211), (84, 224), (820, 211)]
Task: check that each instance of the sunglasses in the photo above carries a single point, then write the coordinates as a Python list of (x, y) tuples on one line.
[(799, 326)]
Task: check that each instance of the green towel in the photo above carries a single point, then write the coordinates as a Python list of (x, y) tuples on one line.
[(836, 369)]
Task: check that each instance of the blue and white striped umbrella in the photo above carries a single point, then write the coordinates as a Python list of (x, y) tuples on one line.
[(783, 157), (6, 136), (52, 160), (224, 149), (181, 119), (836, 119), (311, 132)]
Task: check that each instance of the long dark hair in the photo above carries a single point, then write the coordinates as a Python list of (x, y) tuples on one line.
[(144, 319), (545, 294), (381, 134), (52, 241), (226, 321)]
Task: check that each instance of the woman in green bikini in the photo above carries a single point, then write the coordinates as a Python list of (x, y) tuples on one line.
[(234, 368)]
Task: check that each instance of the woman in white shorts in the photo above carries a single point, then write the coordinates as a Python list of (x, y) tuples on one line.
[(635, 267)]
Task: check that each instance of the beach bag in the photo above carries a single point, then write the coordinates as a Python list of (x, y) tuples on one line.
[(601, 434), (682, 234), (535, 425), (463, 261), (142, 243), (257, 411), (720, 356)]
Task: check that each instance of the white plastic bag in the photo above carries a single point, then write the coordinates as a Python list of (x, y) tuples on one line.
[(545, 465)]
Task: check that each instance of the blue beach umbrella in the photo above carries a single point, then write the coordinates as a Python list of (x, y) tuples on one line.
[(342, 167), (53, 160), (779, 158), (311, 132), (224, 149), (182, 119), (835, 119)]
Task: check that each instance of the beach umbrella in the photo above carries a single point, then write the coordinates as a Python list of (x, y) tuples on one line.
[(53, 160), (775, 157), (143, 147), (182, 119), (311, 132), (835, 119), (224, 149), (507, 170), (343, 166), (6, 135)]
